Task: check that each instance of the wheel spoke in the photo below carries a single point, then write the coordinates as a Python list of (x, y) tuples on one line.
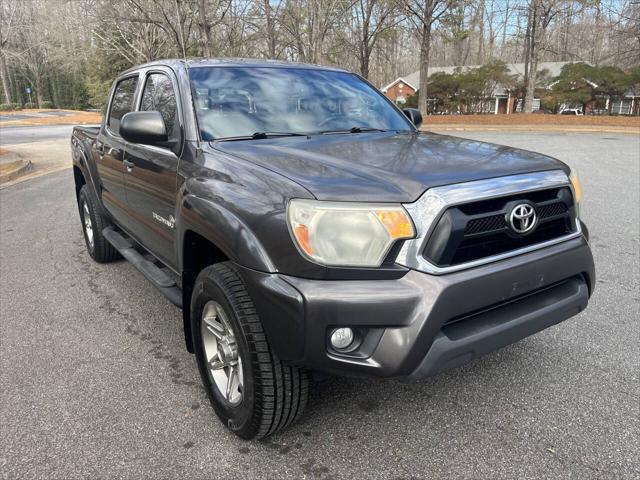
[(215, 328), (88, 227), (215, 363), (233, 376)]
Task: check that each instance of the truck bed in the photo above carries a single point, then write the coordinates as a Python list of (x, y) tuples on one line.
[(88, 131)]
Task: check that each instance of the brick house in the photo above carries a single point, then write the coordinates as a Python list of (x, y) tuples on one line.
[(401, 89)]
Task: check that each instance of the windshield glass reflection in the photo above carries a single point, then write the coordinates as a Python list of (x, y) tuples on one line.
[(243, 101)]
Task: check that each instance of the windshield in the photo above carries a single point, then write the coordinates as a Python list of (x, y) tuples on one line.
[(243, 101)]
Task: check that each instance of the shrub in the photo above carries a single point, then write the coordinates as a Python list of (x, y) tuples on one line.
[(30, 105), (46, 104), (412, 102), (5, 106), (16, 106)]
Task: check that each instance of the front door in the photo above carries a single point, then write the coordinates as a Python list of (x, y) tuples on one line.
[(110, 148), (502, 105), (150, 173)]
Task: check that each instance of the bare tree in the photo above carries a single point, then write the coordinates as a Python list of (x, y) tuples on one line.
[(308, 22), (369, 20), (541, 14), (424, 14), (69, 50), (8, 19)]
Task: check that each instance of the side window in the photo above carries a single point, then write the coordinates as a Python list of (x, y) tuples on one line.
[(122, 102), (158, 95)]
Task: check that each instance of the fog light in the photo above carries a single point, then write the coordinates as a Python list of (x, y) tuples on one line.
[(341, 338)]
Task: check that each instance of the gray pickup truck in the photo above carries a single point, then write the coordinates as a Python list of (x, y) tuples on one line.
[(304, 224)]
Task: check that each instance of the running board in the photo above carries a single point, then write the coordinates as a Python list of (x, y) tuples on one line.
[(153, 273)]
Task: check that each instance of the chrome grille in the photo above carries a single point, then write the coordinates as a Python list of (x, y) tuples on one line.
[(478, 200)]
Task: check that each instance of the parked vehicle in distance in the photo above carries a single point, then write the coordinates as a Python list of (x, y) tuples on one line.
[(571, 111), (303, 223)]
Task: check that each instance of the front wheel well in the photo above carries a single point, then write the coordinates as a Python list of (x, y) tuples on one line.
[(79, 179), (197, 253)]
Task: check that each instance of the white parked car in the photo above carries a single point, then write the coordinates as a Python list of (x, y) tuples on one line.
[(571, 111)]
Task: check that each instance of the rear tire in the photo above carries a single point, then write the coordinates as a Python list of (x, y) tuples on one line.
[(265, 396), (93, 222)]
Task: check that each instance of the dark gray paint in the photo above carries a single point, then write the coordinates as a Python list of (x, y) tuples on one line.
[(412, 309), (384, 167), (235, 194)]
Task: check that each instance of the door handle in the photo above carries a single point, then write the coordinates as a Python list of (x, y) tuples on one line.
[(129, 165), (100, 148)]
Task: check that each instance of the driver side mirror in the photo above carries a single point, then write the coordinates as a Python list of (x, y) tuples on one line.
[(414, 115), (147, 128)]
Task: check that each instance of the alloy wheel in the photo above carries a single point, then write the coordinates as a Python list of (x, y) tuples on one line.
[(221, 351)]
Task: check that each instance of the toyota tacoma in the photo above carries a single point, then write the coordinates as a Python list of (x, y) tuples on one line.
[(303, 223)]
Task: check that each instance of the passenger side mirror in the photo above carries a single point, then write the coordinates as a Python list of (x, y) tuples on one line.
[(147, 128), (412, 114)]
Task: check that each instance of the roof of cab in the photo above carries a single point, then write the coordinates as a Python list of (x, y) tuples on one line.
[(231, 62)]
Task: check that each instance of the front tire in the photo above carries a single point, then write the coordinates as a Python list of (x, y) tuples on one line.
[(253, 393), (93, 222)]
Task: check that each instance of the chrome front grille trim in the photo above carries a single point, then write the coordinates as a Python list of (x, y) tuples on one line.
[(426, 212)]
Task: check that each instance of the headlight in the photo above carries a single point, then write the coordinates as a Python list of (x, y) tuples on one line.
[(347, 234), (577, 188)]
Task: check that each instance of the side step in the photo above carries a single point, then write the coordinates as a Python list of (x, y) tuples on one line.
[(153, 273)]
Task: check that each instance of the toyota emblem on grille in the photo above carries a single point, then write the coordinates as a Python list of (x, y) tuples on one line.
[(523, 218)]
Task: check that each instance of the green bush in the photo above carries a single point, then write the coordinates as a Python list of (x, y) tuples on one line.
[(412, 102), (30, 105), (16, 106), (46, 104), (5, 106)]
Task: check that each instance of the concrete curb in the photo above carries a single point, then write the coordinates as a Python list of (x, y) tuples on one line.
[(18, 167)]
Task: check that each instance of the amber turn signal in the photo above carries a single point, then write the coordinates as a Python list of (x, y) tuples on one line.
[(396, 222)]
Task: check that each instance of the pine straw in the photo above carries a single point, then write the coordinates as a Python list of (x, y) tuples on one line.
[(76, 117)]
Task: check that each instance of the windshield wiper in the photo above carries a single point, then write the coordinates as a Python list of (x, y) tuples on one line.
[(260, 136), (353, 130)]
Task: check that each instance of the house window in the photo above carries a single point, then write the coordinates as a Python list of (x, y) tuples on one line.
[(621, 107)]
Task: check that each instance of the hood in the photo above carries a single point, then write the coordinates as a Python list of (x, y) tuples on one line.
[(384, 167)]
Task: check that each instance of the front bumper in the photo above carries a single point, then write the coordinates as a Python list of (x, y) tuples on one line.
[(421, 324)]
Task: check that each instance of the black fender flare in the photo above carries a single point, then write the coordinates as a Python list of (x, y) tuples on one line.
[(81, 160), (223, 229)]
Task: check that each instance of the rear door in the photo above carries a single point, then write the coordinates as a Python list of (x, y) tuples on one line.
[(110, 147), (150, 171)]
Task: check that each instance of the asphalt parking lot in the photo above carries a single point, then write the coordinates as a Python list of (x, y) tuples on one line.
[(95, 381)]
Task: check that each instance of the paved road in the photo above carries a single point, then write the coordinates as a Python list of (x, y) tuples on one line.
[(16, 135), (95, 382)]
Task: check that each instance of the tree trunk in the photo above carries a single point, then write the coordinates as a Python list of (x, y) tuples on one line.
[(38, 87), (527, 42), (271, 30), (533, 58), (205, 29), (6, 88), (425, 51), (316, 37), (480, 58), (364, 61), (506, 23), (531, 84)]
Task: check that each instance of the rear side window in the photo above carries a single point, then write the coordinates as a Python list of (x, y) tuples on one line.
[(122, 102), (158, 95)]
